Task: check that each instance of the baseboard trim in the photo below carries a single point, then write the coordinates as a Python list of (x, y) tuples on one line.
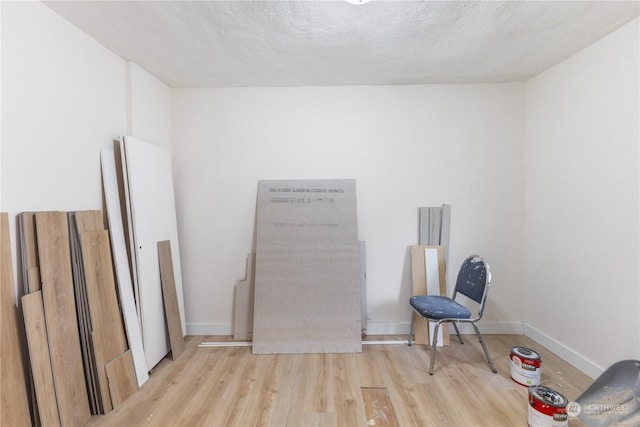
[(489, 328), (375, 328), (569, 355), (209, 329)]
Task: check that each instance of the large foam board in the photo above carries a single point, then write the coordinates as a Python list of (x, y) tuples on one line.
[(154, 220), (307, 296), (123, 273)]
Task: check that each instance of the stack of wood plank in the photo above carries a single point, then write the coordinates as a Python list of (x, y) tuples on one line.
[(76, 341)]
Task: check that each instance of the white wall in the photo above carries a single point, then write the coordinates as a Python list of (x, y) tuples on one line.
[(581, 264), (406, 147), (64, 98), (149, 107)]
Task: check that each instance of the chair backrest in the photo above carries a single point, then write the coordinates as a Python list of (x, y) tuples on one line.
[(473, 280)]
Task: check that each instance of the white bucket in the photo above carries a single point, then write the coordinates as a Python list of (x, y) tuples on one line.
[(526, 366)]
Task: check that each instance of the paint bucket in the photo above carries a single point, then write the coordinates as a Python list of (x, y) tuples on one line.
[(547, 407), (526, 366)]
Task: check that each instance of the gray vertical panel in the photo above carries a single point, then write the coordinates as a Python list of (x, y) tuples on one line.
[(434, 226), (362, 276), (307, 297), (423, 226), (444, 230)]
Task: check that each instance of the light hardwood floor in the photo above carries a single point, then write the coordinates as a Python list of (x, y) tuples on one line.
[(229, 386)]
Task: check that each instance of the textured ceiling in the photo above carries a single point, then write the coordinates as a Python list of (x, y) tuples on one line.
[(320, 43)]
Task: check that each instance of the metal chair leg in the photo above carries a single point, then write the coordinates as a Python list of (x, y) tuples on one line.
[(411, 329), (457, 333), (433, 347), (484, 347)]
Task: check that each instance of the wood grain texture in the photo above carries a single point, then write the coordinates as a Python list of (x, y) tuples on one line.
[(231, 387), (109, 342), (122, 378), (14, 401), (60, 313), (29, 250), (36, 330), (99, 278), (84, 318), (107, 332), (378, 407), (171, 307), (419, 281), (89, 221)]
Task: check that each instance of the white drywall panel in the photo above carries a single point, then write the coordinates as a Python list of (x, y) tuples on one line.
[(154, 219), (307, 292)]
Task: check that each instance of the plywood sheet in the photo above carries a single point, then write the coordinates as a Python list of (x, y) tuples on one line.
[(428, 278), (123, 273), (419, 281), (14, 403), (435, 272), (154, 220), (307, 296), (176, 338), (122, 378), (36, 331), (60, 313)]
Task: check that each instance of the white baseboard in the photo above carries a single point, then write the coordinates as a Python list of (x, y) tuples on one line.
[(489, 328), (373, 328), (567, 354), (209, 329)]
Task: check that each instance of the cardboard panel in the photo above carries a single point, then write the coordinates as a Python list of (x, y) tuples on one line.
[(36, 331), (243, 304), (123, 273), (14, 403), (307, 296), (60, 313), (176, 338), (154, 220)]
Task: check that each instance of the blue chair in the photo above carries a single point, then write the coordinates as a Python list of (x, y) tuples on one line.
[(473, 282)]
